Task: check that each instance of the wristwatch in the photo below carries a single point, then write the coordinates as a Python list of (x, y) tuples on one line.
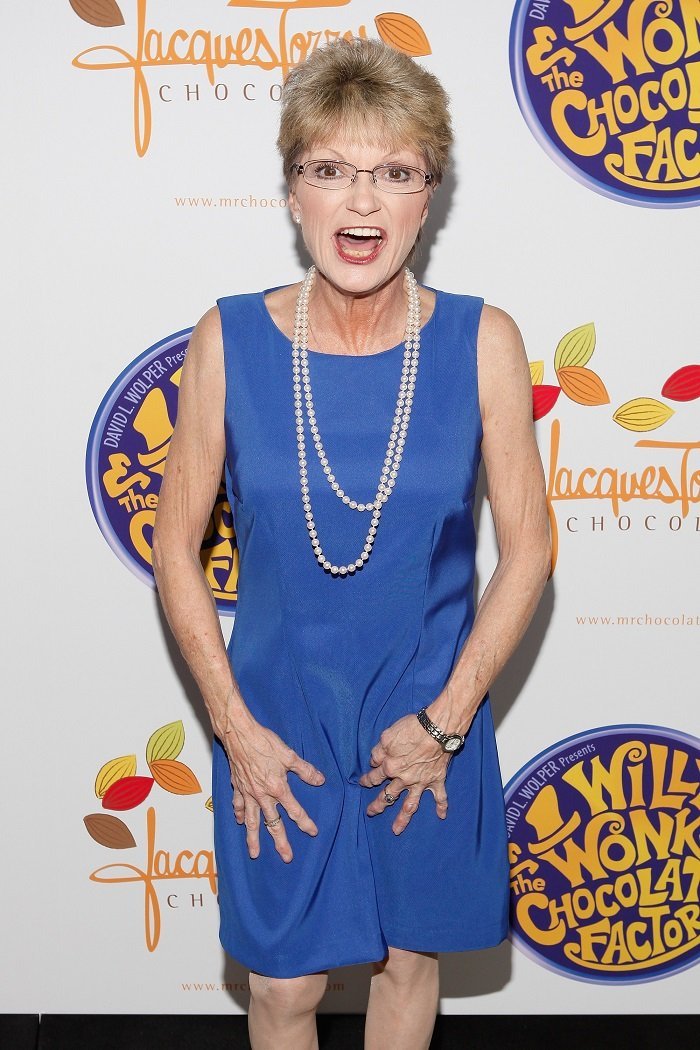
[(449, 741)]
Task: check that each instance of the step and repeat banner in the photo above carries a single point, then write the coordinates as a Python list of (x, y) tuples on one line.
[(143, 183)]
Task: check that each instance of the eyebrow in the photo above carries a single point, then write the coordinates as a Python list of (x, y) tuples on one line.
[(338, 155)]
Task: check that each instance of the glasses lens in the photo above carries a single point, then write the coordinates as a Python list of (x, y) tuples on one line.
[(334, 174), (398, 178)]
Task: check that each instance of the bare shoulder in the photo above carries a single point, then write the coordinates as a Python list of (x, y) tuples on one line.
[(207, 336), (504, 371), (498, 333), (202, 385), (204, 361)]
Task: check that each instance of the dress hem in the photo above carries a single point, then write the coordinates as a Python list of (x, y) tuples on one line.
[(284, 970), (490, 937)]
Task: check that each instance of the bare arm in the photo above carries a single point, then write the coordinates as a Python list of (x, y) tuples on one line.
[(517, 496), (187, 494), (405, 753), (258, 757)]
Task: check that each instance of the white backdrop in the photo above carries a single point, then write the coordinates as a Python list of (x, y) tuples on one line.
[(111, 250)]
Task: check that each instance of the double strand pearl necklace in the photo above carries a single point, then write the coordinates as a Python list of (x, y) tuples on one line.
[(397, 437)]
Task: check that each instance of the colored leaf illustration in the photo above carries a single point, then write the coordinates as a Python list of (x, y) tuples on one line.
[(403, 33), (175, 777), (642, 413), (109, 831), (113, 771), (537, 372), (684, 384), (583, 385), (209, 804), (127, 793), (167, 742), (101, 13), (543, 399), (575, 349)]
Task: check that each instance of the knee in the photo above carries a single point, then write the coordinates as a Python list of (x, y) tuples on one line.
[(288, 995)]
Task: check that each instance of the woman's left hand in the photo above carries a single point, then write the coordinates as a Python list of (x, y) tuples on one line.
[(413, 760)]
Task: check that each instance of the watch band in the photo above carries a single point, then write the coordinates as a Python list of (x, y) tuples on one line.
[(455, 740)]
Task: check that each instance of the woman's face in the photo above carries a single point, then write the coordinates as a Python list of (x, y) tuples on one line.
[(359, 265)]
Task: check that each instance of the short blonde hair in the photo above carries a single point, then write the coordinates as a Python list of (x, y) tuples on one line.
[(369, 92)]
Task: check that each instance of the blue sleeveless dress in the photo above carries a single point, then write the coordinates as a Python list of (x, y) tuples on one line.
[(328, 662)]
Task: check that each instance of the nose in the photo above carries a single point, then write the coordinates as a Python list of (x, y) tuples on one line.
[(363, 194)]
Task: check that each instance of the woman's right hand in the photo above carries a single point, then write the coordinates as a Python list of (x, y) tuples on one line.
[(259, 761)]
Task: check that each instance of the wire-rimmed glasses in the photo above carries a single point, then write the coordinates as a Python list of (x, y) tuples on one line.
[(339, 174)]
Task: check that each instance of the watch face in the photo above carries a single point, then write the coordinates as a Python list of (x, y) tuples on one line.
[(453, 743)]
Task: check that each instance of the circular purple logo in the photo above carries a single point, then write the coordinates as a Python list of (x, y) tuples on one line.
[(604, 850), (611, 90), (126, 453)]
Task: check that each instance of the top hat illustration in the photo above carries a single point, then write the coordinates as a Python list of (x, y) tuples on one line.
[(152, 421), (588, 15), (546, 819)]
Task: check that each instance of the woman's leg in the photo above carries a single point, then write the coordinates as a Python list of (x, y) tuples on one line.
[(403, 1000), (282, 1011)]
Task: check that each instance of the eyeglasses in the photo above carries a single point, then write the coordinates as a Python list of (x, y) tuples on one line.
[(339, 174)]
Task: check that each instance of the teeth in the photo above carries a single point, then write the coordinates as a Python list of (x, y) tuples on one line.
[(362, 231)]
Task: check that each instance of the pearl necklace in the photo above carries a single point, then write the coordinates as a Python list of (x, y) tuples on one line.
[(397, 438)]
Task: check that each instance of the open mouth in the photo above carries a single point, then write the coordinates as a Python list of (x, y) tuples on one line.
[(359, 244)]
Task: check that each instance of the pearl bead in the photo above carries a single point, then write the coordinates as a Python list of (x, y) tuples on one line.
[(396, 441)]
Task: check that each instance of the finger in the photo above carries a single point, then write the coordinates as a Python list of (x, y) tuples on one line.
[(310, 774), (379, 804), (297, 813), (252, 826), (279, 834), (238, 805), (409, 807), (440, 800), (376, 755), (373, 777)]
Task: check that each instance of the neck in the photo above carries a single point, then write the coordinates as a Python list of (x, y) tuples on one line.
[(359, 324)]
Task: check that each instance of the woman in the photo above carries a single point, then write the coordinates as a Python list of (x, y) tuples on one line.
[(355, 684)]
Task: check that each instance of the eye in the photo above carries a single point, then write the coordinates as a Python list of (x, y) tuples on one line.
[(397, 173), (326, 170)]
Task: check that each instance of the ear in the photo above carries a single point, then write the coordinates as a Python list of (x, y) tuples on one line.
[(292, 201), (426, 206)]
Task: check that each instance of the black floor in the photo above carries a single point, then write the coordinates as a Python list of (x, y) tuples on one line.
[(344, 1032)]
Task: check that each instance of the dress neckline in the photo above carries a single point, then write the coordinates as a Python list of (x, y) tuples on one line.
[(349, 357)]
